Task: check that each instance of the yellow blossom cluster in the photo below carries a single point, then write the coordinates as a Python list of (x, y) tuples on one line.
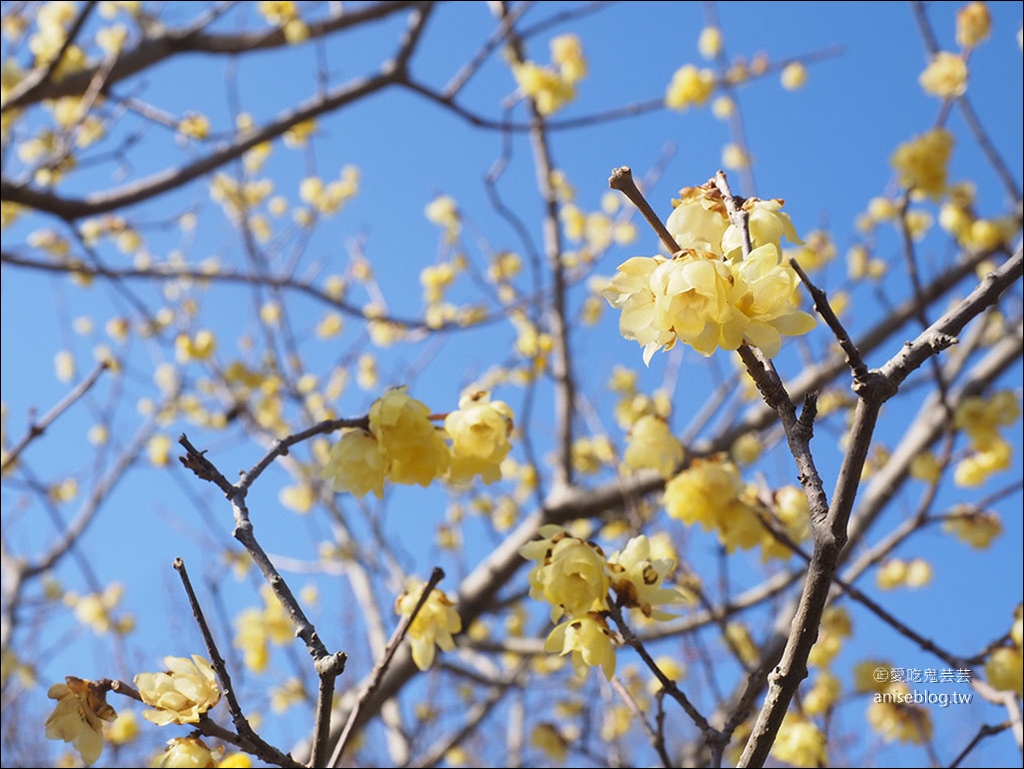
[(689, 86), (574, 576), (711, 492), (180, 694), (285, 15), (403, 445), (921, 162), (257, 628), (800, 742), (651, 444), (896, 572), (434, 625), (708, 295), (552, 87), (188, 751), (895, 715), (975, 527), (981, 417), (329, 198)]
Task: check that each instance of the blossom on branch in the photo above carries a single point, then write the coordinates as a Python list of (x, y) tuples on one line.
[(79, 715), (434, 625), (181, 694)]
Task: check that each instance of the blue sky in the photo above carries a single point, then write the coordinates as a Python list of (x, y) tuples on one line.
[(824, 149)]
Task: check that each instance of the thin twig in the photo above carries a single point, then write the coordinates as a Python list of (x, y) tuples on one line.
[(37, 428)]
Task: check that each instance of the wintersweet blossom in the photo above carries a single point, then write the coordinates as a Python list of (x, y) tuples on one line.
[(973, 24), (182, 693), (689, 86), (921, 163), (712, 493), (975, 527), (79, 715), (800, 742), (945, 76), (768, 223), (434, 625), (1004, 669), (357, 464), (636, 578), (415, 447), (480, 431), (188, 752), (589, 639), (894, 715), (569, 573), (699, 219), (651, 444)]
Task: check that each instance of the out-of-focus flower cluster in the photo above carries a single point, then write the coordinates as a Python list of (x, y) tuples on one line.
[(553, 86), (980, 418), (434, 625), (404, 446), (574, 576), (708, 295)]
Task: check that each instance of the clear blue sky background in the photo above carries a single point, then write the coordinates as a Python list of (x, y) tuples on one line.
[(824, 149)]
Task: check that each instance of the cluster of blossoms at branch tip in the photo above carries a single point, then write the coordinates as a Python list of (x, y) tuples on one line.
[(708, 295), (553, 87), (574, 576), (403, 445), (434, 625), (180, 694)]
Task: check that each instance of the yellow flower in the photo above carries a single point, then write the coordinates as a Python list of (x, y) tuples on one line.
[(651, 444), (549, 739), (710, 42), (590, 641), (945, 76), (357, 464), (569, 574), (480, 431), (763, 293), (711, 492), (567, 53), (768, 223), (188, 752), (1004, 669), (794, 76), (973, 24), (181, 694), (800, 743), (444, 211), (416, 449), (630, 291), (921, 162), (823, 695), (975, 527), (894, 714), (434, 624), (892, 574), (79, 715), (689, 86), (636, 578), (194, 126), (550, 90), (699, 219)]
